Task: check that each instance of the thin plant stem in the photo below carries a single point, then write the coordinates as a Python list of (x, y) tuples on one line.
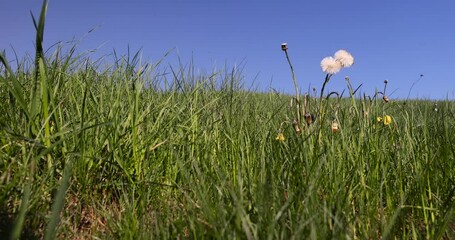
[(327, 79), (321, 108), (297, 97)]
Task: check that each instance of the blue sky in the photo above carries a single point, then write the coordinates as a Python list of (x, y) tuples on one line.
[(397, 40)]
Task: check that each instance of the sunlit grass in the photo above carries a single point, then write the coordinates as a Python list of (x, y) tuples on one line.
[(137, 151)]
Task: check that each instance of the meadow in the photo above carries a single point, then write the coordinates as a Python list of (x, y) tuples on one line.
[(129, 150)]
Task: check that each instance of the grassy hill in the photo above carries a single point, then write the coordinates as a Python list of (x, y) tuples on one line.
[(135, 151)]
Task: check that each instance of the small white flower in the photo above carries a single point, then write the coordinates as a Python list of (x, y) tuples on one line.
[(330, 66), (345, 58)]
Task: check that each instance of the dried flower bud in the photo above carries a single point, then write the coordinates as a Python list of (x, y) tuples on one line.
[(334, 126), (386, 81), (309, 118), (296, 127), (284, 46), (385, 98)]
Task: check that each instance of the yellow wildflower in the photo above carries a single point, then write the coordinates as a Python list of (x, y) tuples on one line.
[(387, 120), (280, 137)]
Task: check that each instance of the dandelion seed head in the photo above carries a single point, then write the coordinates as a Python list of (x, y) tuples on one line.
[(344, 57), (330, 66)]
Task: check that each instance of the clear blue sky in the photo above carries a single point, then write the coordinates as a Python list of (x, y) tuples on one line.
[(390, 39)]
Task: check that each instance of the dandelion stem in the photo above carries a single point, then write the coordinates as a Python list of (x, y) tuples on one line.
[(320, 110), (327, 78)]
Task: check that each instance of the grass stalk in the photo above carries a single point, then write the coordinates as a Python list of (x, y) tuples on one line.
[(297, 97)]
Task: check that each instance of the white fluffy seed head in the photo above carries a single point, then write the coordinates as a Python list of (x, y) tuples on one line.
[(330, 66), (344, 57)]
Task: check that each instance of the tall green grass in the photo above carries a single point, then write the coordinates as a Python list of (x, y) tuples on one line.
[(137, 151)]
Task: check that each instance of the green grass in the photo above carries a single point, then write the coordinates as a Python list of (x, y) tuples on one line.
[(136, 151)]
